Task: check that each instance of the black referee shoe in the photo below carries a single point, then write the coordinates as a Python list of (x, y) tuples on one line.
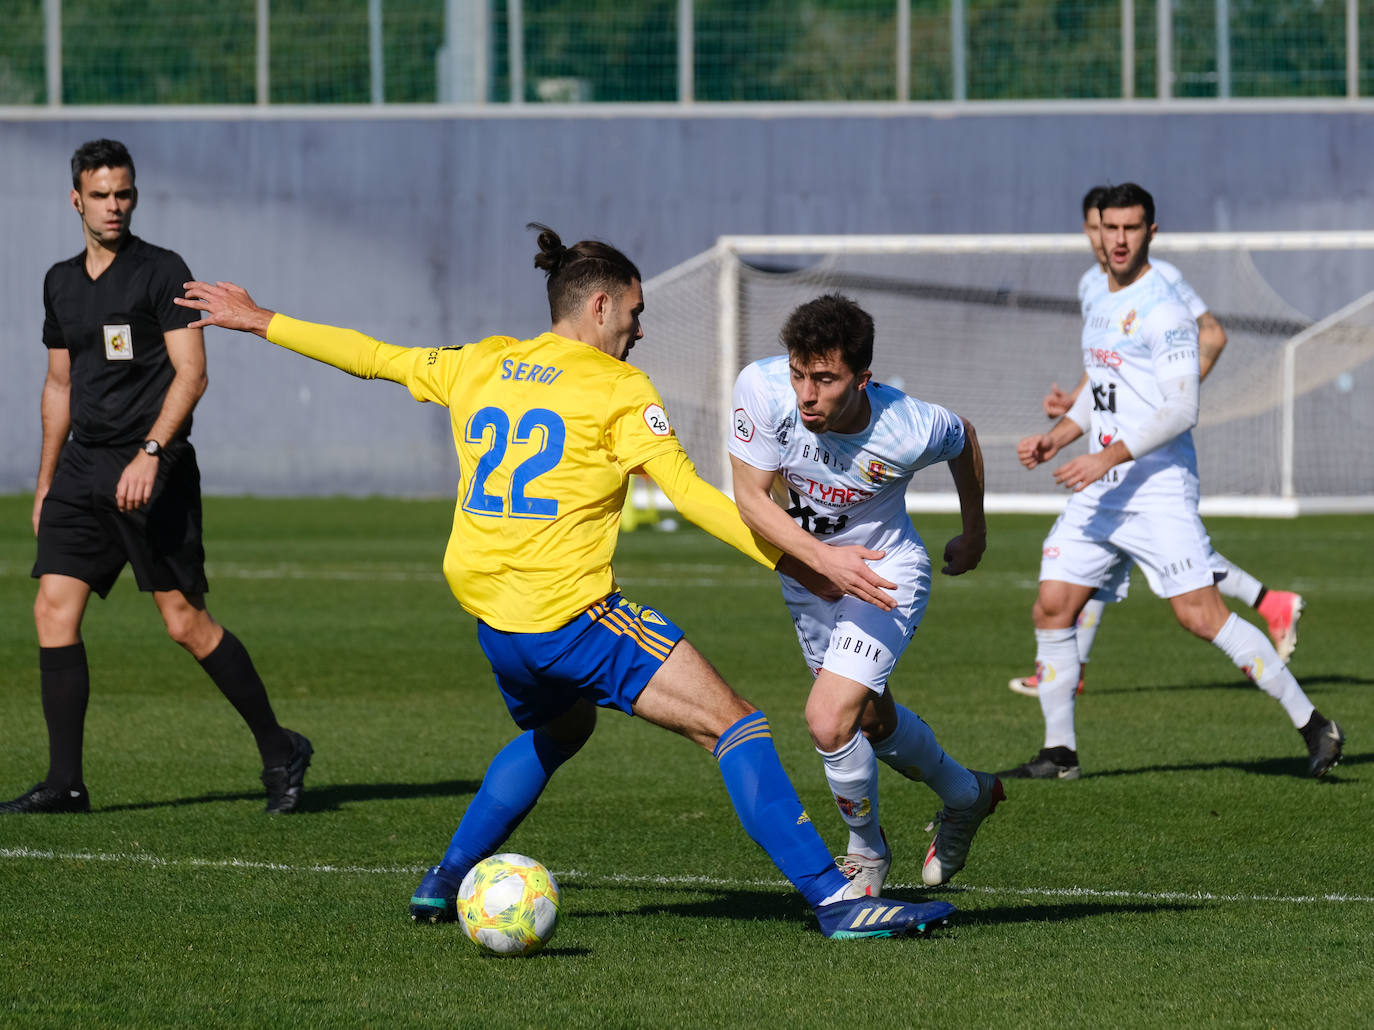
[(285, 783), (43, 798)]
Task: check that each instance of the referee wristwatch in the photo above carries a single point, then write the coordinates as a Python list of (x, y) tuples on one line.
[(151, 446)]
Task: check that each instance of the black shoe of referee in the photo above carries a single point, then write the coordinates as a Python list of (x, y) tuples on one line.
[(43, 798), (285, 783)]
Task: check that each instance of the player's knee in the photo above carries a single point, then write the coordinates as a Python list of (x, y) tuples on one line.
[(1199, 624), (192, 628), (830, 731), (53, 619)]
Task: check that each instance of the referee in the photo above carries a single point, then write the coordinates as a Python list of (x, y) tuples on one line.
[(124, 373)]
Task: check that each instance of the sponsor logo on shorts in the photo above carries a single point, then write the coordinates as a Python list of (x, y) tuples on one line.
[(657, 420), (857, 645), (119, 342), (1050, 552)]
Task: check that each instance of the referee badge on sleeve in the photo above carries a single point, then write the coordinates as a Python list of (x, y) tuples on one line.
[(119, 342)]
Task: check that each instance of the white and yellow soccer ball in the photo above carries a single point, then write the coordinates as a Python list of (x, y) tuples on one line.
[(508, 904)]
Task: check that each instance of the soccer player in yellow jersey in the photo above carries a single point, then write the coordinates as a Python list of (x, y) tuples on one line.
[(548, 432)]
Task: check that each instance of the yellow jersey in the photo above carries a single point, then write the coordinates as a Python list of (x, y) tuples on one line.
[(547, 432)]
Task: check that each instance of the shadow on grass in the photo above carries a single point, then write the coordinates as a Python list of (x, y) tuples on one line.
[(763, 906), (1308, 682), (327, 798), (1292, 766)]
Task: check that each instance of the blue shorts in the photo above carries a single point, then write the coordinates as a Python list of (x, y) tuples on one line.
[(607, 654)]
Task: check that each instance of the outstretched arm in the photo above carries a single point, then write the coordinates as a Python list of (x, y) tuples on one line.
[(846, 567), (226, 305), (707, 507), (230, 307)]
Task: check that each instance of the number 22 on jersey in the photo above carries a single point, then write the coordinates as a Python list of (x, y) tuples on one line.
[(492, 426)]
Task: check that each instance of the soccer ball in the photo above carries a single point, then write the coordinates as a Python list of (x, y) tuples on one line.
[(508, 904)]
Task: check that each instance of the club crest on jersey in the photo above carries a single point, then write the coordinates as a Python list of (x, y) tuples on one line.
[(657, 420), (119, 342), (1128, 323), (876, 472), (744, 426)]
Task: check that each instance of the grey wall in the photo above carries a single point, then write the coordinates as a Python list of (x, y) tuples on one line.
[(411, 229)]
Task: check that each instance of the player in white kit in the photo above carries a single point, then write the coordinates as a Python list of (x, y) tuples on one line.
[(1280, 609), (814, 425), (1136, 491)]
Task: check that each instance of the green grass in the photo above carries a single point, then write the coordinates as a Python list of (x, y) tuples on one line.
[(1193, 876)]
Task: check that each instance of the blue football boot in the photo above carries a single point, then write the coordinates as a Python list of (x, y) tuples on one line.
[(882, 917), (436, 899)]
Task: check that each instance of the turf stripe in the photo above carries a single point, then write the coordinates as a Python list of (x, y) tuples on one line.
[(568, 876)]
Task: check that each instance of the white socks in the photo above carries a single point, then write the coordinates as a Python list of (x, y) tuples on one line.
[(1253, 655), (1088, 621), (1058, 666), (852, 773), (915, 753), (1238, 583)]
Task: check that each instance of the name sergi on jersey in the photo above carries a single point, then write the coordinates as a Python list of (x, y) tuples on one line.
[(1133, 340), (844, 488)]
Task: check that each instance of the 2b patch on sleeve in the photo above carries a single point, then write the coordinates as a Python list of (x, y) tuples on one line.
[(657, 420)]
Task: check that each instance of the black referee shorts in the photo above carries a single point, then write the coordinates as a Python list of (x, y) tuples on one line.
[(83, 535)]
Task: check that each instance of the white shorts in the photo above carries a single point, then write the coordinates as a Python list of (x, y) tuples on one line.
[(857, 640), (1118, 583), (1086, 546)]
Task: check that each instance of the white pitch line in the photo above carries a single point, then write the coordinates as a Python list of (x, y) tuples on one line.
[(611, 879)]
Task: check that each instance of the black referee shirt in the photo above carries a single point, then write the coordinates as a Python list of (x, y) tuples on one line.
[(112, 327)]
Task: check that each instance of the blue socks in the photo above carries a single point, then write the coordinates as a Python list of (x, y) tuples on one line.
[(763, 796), (770, 812), (511, 786)]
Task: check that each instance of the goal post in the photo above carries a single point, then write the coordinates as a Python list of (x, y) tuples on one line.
[(984, 323)]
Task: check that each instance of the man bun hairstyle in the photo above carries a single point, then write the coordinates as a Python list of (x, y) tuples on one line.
[(1128, 194), (100, 153), (575, 273), (832, 320)]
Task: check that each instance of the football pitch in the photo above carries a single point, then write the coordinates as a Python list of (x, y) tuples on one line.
[(1193, 876)]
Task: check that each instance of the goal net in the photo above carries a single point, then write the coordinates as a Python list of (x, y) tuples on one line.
[(984, 325)]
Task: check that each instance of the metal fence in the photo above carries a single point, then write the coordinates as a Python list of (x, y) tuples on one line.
[(103, 52)]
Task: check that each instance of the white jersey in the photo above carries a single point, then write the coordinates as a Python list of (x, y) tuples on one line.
[(846, 488), (1093, 286), (1134, 340)]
